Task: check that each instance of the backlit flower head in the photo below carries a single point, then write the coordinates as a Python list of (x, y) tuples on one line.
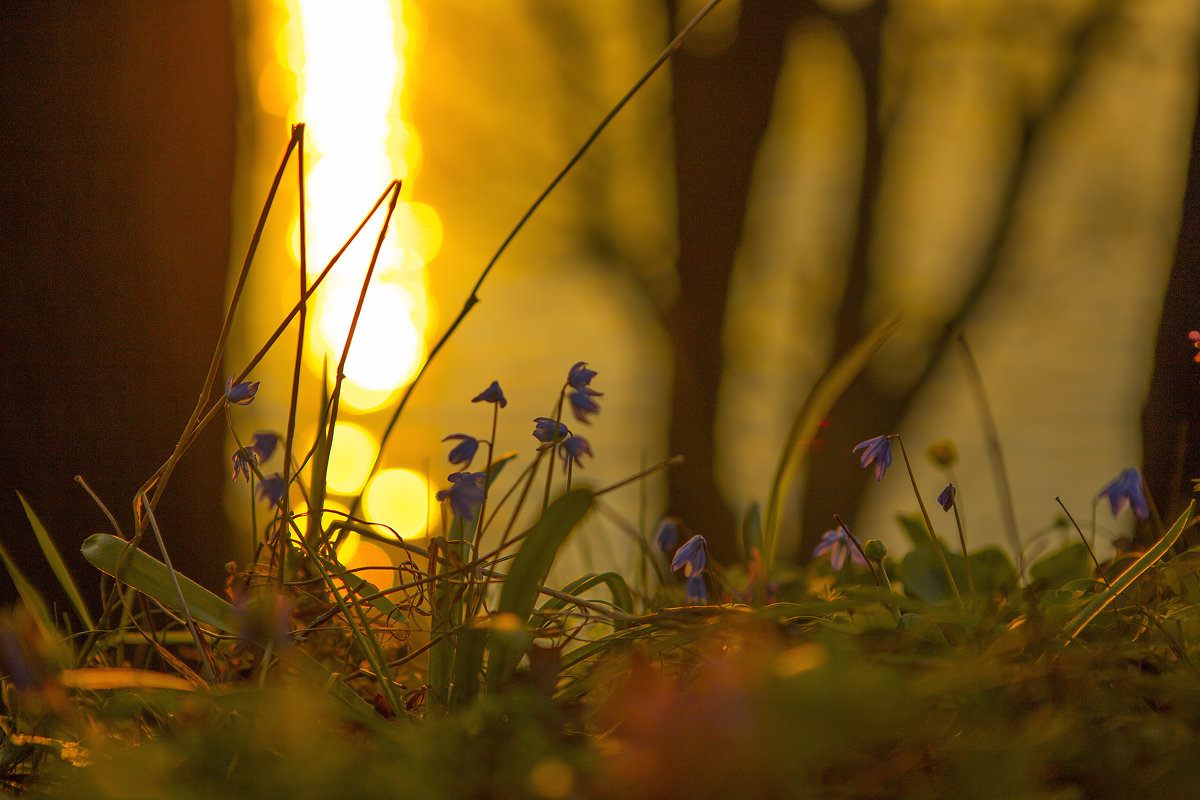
[(580, 376), (464, 451), (242, 393), (581, 397), (877, 451), (572, 449), (264, 444), (583, 405), (1127, 488), (242, 459), (837, 543), (692, 557), (492, 394), (548, 431), (271, 488), (667, 536), (465, 493), (695, 591), (1195, 337), (946, 498)]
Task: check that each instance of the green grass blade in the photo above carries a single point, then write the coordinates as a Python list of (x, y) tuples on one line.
[(528, 573), (621, 596), (31, 596), (1126, 578), (807, 423), (152, 578), (57, 565)]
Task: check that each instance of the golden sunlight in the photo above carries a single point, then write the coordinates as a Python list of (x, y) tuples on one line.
[(340, 69)]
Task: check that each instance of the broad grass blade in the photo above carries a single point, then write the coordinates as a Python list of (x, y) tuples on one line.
[(528, 573), (150, 576)]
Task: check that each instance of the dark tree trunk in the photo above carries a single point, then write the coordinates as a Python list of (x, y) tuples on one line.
[(722, 104), (1171, 416), (116, 159)]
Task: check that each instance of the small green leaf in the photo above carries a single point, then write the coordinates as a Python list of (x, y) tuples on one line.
[(1068, 563)]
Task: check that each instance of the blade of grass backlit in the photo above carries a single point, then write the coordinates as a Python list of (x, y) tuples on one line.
[(807, 424), (1126, 578)]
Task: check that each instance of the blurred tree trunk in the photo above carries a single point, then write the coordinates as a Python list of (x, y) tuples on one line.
[(116, 159), (722, 104), (1171, 416)]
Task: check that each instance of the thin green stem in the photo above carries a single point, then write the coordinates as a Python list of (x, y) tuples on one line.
[(937, 546)]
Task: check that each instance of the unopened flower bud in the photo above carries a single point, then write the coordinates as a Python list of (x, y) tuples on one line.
[(875, 550)]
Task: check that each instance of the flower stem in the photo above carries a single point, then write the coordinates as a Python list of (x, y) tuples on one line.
[(937, 547)]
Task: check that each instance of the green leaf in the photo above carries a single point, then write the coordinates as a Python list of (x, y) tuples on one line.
[(57, 565), (991, 567), (923, 576), (528, 572), (1068, 563), (807, 424), (913, 526), (152, 578), (1126, 578)]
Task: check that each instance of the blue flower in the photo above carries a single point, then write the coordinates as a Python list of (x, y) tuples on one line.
[(946, 498), (465, 493), (583, 404), (573, 449), (877, 451), (667, 536), (492, 394), (264, 443), (548, 431), (692, 557), (837, 543), (1127, 488), (580, 376), (272, 488), (695, 591), (242, 460), (464, 451), (242, 393)]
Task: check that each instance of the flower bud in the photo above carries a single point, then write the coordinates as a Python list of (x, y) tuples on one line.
[(875, 550)]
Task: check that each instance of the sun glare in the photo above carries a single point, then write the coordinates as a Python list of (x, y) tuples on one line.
[(340, 69)]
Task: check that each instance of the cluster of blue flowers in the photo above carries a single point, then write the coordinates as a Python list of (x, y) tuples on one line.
[(691, 558), (466, 492), (1126, 489), (261, 447)]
